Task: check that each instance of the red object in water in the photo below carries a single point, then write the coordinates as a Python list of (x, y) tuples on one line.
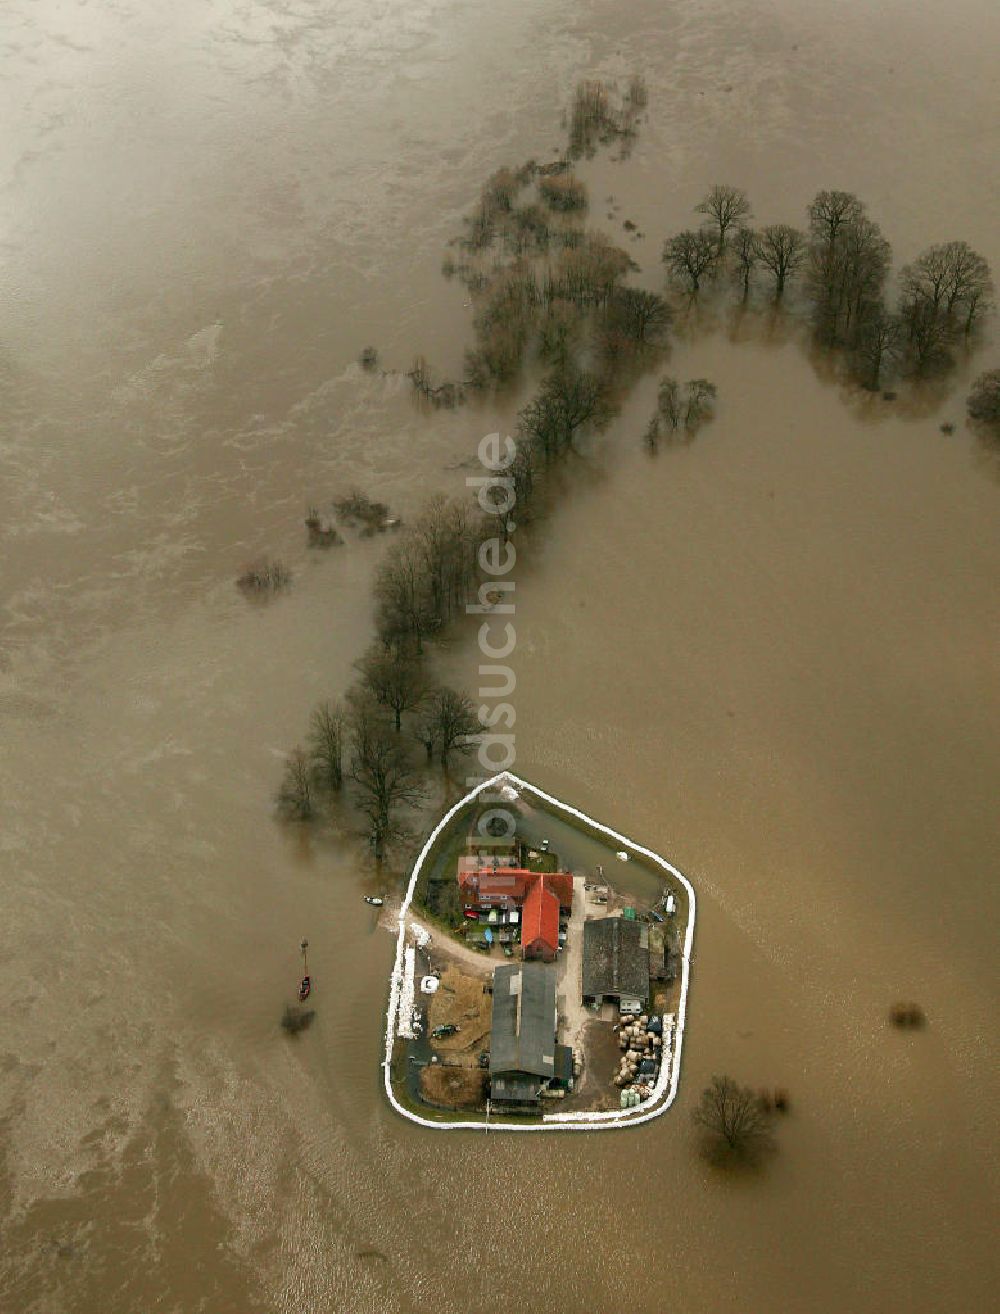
[(305, 986)]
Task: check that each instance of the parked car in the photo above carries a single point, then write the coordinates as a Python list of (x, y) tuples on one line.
[(446, 1029)]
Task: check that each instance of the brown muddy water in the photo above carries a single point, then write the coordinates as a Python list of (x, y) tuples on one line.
[(771, 655)]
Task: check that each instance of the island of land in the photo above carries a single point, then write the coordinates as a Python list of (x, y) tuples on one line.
[(541, 970)]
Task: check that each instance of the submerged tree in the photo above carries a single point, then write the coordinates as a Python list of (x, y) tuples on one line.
[(639, 316), (404, 608), (588, 272), (294, 798), (689, 256), (944, 290), (690, 406), (595, 119), (563, 193), (394, 678), (559, 332), (877, 346), (733, 1118), (928, 335), (984, 399), (445, 721), (327, 735), (828, 213), (383, 777), (568, 399), (781, 249), (727, 207), (444, 539), (669, 403), (745, 251), (699, 402), (849, 261), (951, 278)]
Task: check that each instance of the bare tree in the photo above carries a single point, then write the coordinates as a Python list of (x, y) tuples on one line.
[(444, 541), (512, 501), (522, 472), (568, 399), (781, 249), (948, 277), (726, 207), (689, 255), (867, 258), (327, 734), (984, 399), (558, 331), (456, 722), (651, 436), (446, 721), (745, 250), (829, 212), (669, 403), (969, 282), (732, 1117), (424, 726), (394, 678), (588, 271), (877, 346), (294, 796), (640, 316), (691, 406), (849, 261), (563, 193), (942, 281), (380, 769), (699, 402), (846, 279), (928, 335), (404, 607)]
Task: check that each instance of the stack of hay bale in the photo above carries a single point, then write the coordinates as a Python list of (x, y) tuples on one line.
[(641, 1043)]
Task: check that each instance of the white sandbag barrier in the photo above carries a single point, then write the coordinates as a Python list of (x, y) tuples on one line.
[(404, 1026), (401, 984)]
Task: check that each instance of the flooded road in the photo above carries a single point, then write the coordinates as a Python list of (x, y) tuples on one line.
[(770, 655)]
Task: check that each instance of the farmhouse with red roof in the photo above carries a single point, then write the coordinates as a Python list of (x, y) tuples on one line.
[(540, 896), (540, 922)]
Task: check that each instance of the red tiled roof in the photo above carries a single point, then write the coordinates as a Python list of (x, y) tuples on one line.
[(561, 883), (540, 917), (510, 883), (514, 883)]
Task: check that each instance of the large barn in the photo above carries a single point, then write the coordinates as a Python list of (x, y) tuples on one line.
[(616, 961), (524, 1055)]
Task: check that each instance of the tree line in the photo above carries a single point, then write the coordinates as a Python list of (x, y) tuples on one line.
[(842, 261), (541, 284)]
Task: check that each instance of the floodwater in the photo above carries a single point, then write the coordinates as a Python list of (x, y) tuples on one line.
[(770, 655)]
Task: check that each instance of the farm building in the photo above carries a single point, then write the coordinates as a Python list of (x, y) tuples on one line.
[(540, 922), (485, 886), (524, 1055), (616, 962)]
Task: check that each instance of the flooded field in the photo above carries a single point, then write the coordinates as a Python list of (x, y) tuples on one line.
[(770, 655)]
